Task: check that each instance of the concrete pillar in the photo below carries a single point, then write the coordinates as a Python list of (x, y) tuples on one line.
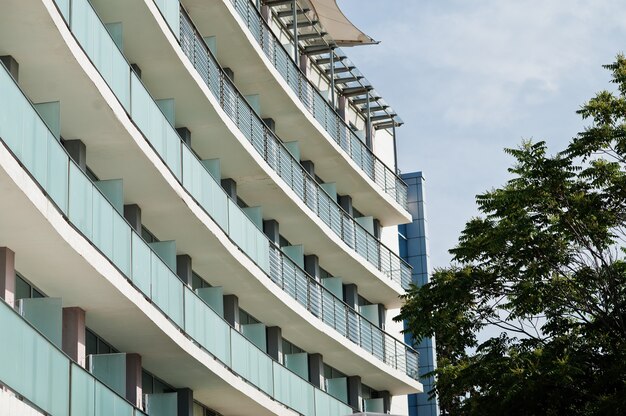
[(231, 310), (312, 266), (230, 74), (11, 65), (270, 228), (309, 167), (265, 13), (355, 394), (377, 228), (184, 268), (345, 202), (7, 275), (78, 152), (185, 402), (316, 370), (184, 134), (270, 123), (275, 343), (351, 295), (341, 104), (132, 213), (73, 335), (136, 69), (134, 386), (382, 312), (304, 64), (230, 186), (386, 396)]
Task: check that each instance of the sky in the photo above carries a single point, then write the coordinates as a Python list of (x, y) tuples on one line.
[(470, 78)]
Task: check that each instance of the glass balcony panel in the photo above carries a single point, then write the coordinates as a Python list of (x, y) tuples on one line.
[(207, 327), (31, 365), (83, 396), (81, 200), (58, 166), (141, 264), (251, 363), (167, 290), (170, 11), (293, 391), (102, 223), (110, 404), (325, 404), (101, 49)]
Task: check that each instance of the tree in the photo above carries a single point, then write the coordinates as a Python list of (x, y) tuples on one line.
[(543, 265)]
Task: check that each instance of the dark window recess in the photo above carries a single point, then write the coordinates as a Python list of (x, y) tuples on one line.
[(241, 203), (283, 241), (356, 213), (97, 345), (150, 384), (26, 290), (198, 282), (330, 372), (367, 392), (203, 410), (289, 348), (363, 301), (246, 319), (148, 236), (91, 175), (324, 274)]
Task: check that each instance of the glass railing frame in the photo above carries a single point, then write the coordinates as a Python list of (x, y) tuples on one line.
[(399, 197), (376, 258), (134, 232), (136, 411), (370, 326)]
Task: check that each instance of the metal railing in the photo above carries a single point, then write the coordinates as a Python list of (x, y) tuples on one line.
[(318, 106), (273, 151)]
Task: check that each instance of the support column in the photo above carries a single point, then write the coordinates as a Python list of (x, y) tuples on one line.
[(270, 123), (231, 310), (345, 202), (355, 394), (185, 402), (11, 65), (316, 370), (78, 152), (184, 268), (184, 134), (7, 275), (275, 342), (132, 213), (271, 230), (309, 167), (351, 295), (230, 186), (73, 335), (134, 386), (377, 228), (312, 266)]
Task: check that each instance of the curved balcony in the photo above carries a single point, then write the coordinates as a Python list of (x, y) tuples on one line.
[(63, 195), (260, 55), (292, 280)]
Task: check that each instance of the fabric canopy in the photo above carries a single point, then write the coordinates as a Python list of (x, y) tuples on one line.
[(337, 25)]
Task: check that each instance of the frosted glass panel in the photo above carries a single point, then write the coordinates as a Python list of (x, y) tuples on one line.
[(170, 10), (293, 391), (25, 354), (257, 334), (167, 290), (298, 363), (251, 363), (58, 165), (166, 250), (213, 297), (100, 47), (83, 400), (110, 369), (46, 315), (206, 327), (338, 388), (162, 404), (81, 199), (328, 405), (141, 264)]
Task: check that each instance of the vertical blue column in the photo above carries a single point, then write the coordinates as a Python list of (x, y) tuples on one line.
[(414, 250)]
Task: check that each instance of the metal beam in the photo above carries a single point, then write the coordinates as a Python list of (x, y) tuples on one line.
[(301, 24), (289, 13), (324, 61), (352, 91), (274, 3), (383, 117), (317, 49), (364, 100), (386, 125), (339, 70), (294, 26), (346, 80), (377, 108), (309, 36)]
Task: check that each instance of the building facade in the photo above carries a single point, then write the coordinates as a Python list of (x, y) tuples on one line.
[(198, 213), (414, 249)]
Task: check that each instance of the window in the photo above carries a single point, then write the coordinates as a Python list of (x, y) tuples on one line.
[(246, 319), (26, 290), (148, 236), (97, 345), (197, 282), (289, 348)]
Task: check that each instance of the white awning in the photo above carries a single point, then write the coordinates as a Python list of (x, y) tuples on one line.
[(337, 25)]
